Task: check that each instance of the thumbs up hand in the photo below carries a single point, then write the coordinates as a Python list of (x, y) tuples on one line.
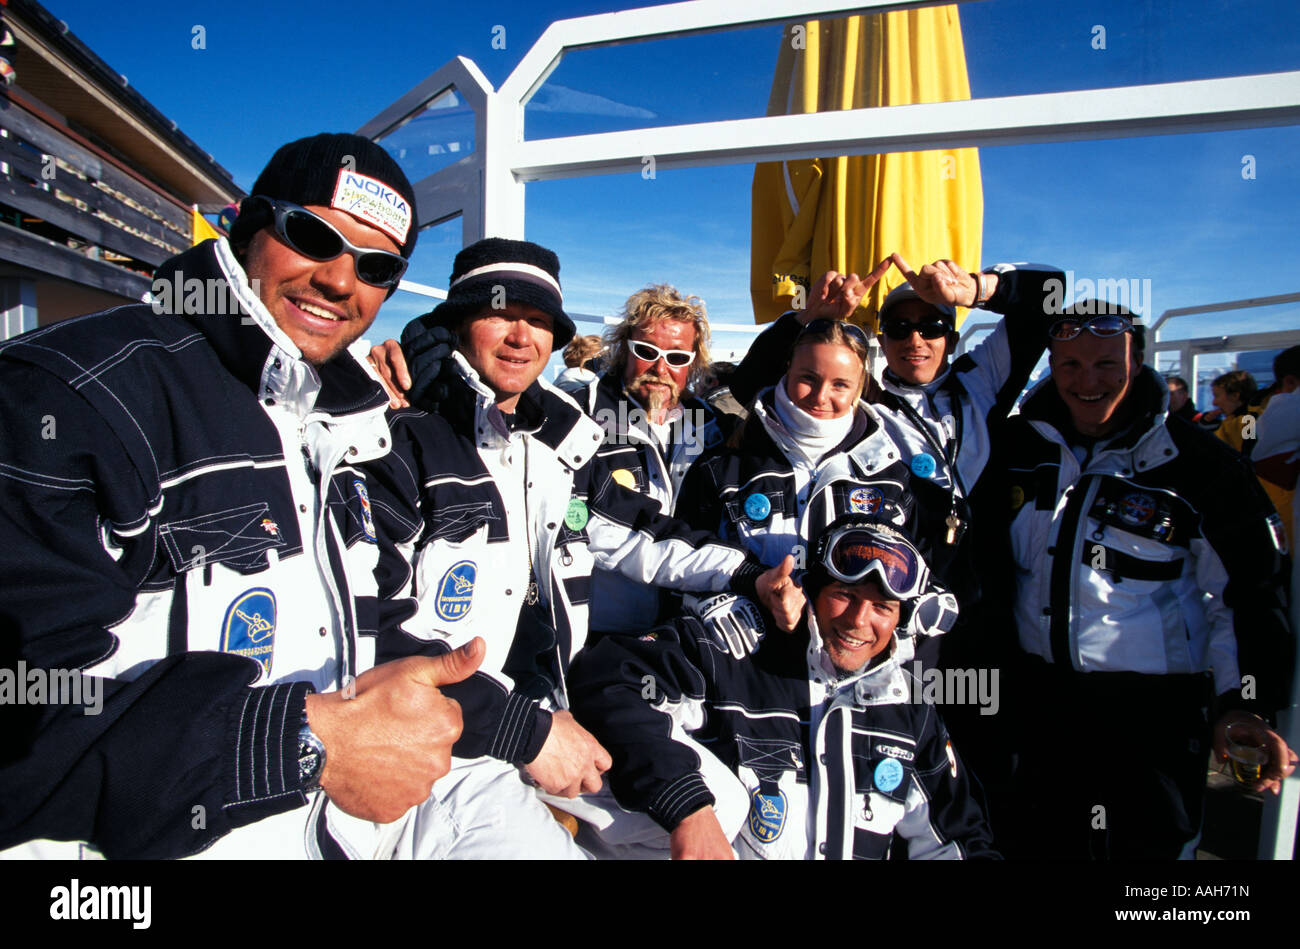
[(780, 595)]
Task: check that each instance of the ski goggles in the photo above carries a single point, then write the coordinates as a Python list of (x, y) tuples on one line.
[(822, 324), (649, 352), (899, 329), (1103, 326), (856, 552), (312, 236)]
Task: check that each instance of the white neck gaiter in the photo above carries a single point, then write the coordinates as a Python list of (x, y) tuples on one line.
[(815, 437)]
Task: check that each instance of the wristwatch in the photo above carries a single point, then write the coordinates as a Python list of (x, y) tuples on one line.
[(311, 757)]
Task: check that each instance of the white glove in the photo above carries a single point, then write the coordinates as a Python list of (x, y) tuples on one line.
[(735, 622), (933, 614)]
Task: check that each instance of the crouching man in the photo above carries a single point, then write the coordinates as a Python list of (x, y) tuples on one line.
[(821, 722)]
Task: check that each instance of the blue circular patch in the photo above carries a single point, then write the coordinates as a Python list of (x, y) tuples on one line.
[(923, 465), (889, 775), (757, 507)]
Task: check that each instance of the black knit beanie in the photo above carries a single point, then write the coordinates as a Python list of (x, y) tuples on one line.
[(335, 170)]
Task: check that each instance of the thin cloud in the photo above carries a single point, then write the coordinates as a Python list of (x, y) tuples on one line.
[(552, 98)]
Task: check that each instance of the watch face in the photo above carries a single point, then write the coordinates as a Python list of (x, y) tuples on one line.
[(308, 769), (311, 760)]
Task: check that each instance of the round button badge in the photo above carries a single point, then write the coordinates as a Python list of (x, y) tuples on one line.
[(575, 518), (923, 465), (757, 507), (889, 775)]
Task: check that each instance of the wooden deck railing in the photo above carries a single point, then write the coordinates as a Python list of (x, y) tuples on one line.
[(48, 174)]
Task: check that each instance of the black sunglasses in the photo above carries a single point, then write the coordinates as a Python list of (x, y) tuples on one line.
[(900, 329), (1103, 326), (314, 237)]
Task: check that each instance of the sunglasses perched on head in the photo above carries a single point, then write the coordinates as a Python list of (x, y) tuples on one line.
[(899, 329), (649, 352), (1103, 326), (825, 323), (855, 553), (314, 237)]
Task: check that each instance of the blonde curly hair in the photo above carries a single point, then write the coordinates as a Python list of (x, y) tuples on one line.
[(649, 305)]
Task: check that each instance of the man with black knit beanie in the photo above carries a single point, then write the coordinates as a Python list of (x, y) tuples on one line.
[(180, 484)]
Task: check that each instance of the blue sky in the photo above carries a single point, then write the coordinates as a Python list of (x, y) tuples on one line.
[(1174, 210)]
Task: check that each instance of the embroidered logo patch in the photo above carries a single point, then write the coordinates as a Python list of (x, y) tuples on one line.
[(865, 500), (456, 591), (373, 202), (767, 815), (895, 752), (1137, 509), (249, 626), (271, 527), (367, 521)]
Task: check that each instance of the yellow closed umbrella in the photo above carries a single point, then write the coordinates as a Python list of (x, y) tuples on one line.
[(851, 212)]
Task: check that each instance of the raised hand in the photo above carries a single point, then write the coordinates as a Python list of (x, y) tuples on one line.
[(943, 283), (836, 295), (780, 595)]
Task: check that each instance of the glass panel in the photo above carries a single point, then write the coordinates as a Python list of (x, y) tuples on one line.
[(1258, 319), (1012, 47), (438, 135), (1209, 366), (1169, 363), (1159, 223)]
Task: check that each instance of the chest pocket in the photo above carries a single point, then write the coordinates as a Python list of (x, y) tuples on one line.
[(768, 758), (456, 523), (769, 537), (883, 500), (236, 537), (881, 781), (1152, 515), (630, 475)]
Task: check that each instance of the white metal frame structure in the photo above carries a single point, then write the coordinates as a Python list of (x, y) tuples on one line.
[(1188, 349), (487, 187)]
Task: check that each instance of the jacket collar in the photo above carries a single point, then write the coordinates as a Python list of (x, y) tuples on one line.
[(866, 423), (541, 413), (222, 305)]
